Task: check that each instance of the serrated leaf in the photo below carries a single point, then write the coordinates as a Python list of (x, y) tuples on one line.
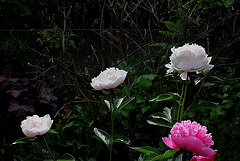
[(104, 136), (146, 150)]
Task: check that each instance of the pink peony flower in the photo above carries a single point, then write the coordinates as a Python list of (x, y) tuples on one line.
[(192, 137), (200, 158)]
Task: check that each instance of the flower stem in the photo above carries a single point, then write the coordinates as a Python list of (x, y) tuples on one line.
[(180, 105), (184, 99), (195, 97), (112, 118), (52, 157)]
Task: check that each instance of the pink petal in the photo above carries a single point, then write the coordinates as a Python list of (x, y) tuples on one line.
[(168, 141), (201, 158), (193, 144), (207, 152)]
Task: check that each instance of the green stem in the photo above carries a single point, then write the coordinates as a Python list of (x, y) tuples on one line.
[(52, 157), (177, 84), (195, 97), (184, 99), (180, 104), (111, 111)]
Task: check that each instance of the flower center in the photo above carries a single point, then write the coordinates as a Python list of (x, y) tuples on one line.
[(32, 124)]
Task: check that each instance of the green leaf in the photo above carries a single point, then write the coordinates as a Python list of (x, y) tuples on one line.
[(67, 157), (122, 139), (161, 116), (68, 125), (160, 44), (167, 97), (144, 82), (140, 158), (125, 123), (104, 136), (146, 150), (118, 102), (167, 33), (208, 84), (205, 105), (141, 98), (179, 158), (145, 108), (150, 76), (227, 3), (125, 103), (214, 77), (167, 113), (149, 157), (52, 131), (108, 104), (24, 140), (170, 153), (73, 44), (166, 155), (170, 25), (167, 118), (160, 122)]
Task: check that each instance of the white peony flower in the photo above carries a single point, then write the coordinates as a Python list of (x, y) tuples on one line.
[(189, 58), (35, 125), (109, 78)]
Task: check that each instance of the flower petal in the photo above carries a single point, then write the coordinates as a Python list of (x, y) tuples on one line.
[(168, 141), (183, 75), (206, 152)]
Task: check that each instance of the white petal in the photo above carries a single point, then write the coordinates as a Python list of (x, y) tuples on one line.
[(183, 75)]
